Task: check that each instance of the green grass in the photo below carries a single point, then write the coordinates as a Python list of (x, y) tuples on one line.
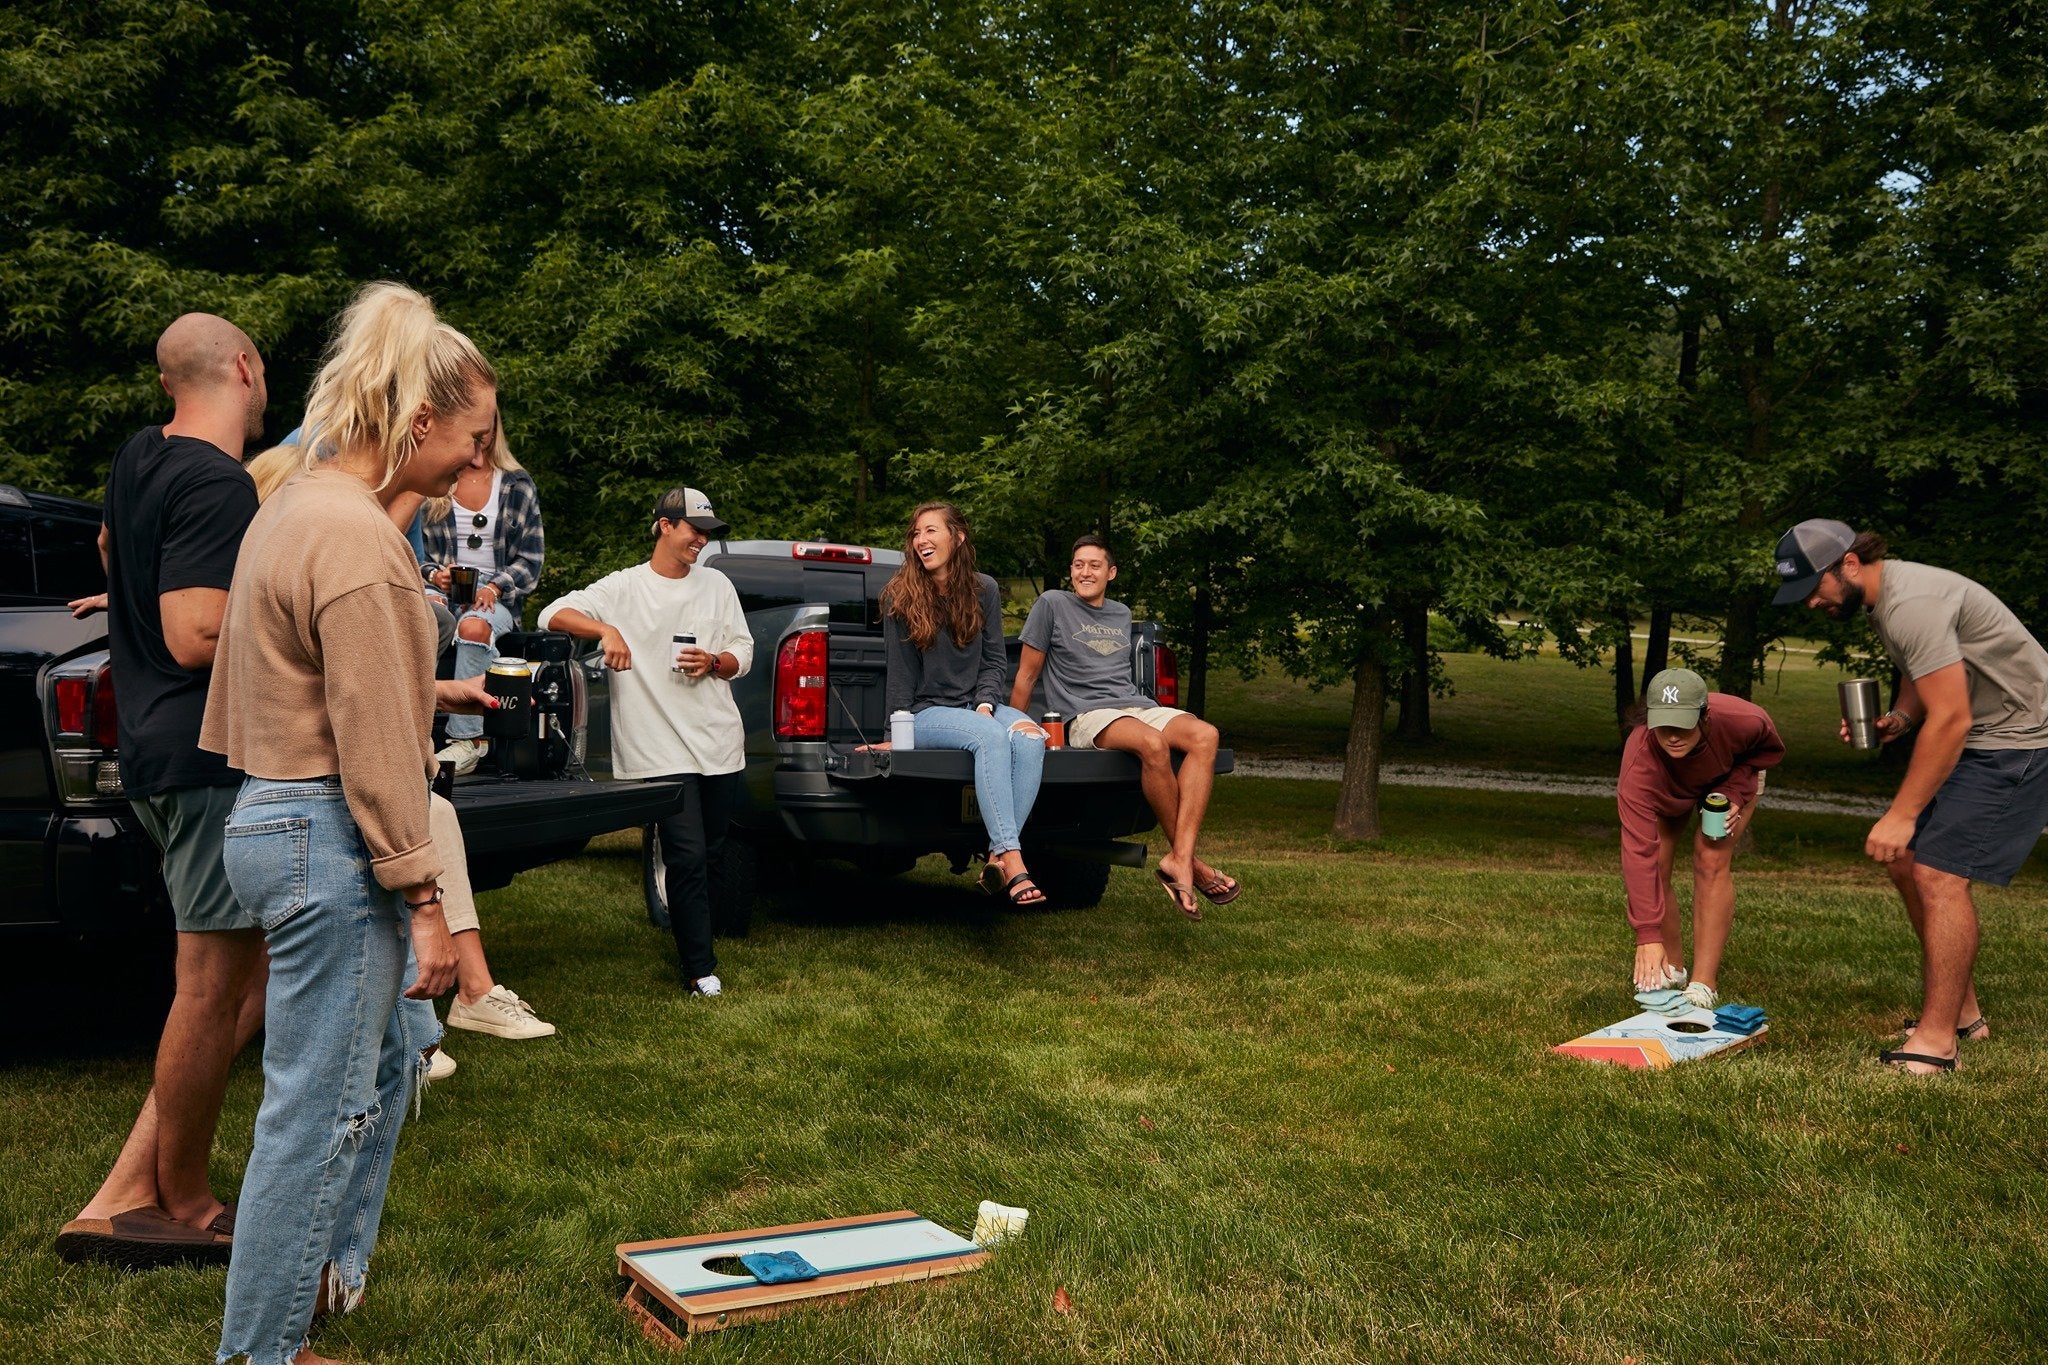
[(1540, 714), (1319, 1126)]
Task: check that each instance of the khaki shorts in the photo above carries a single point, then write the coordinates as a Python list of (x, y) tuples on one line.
[(1082, 729)]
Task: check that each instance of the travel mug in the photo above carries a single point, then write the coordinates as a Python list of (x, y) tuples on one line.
[(1714, 816), (674, 666), (1860, 709), (902, 730), (461, 585)]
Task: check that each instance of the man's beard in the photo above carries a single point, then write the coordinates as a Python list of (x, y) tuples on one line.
[(252, 424), (1851, 603)]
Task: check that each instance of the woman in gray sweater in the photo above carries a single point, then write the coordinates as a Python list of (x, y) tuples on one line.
[(942, 627)]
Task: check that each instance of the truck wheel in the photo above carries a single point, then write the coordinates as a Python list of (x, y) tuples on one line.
[(734, 875), (651, 885), (1069, 884)]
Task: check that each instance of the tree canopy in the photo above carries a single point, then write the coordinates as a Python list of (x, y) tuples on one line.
[(1334, 318)]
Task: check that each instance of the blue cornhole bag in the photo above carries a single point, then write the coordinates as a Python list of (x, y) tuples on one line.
[(778, 1267)]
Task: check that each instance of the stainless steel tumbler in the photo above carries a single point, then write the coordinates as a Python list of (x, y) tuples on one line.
[(1860, 708)]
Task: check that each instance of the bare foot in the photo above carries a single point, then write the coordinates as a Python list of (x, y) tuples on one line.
[(1181, 870)]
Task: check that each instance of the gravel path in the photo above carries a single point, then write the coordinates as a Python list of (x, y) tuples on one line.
[(1541, 784)]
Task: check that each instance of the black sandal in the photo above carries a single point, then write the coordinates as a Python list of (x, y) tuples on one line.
[(1963, 1034), (1895, 1060), (991, 881)]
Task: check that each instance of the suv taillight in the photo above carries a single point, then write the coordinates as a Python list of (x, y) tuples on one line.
[(800, 685), (1165, 675)]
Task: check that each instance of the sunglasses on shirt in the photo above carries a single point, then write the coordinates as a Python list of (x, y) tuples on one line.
[(478, 520)]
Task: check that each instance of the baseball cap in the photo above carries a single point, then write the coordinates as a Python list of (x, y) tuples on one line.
[(1806, 552), (1675, 699), (687, 504)]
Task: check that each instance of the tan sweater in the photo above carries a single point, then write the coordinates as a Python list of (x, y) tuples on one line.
[(326, 664)]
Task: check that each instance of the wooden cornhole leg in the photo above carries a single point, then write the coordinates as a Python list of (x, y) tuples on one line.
[(651, 1325)]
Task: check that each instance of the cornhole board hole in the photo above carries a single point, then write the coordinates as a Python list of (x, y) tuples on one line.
[(1654, 1042), (676, 1294)]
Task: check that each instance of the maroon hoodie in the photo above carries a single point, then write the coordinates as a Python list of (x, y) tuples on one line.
[(1740, 743)]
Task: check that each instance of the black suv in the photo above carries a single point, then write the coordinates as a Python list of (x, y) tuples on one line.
[(72, 855), (816, 693)]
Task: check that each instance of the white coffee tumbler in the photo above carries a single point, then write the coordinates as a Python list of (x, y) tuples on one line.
[(675, 665), (902, 730)]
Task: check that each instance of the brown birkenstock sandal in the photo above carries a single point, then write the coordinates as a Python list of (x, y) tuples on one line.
[(142, 1239)]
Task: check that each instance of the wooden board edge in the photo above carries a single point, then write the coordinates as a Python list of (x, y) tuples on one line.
[(751, 1234), (845, 1281)]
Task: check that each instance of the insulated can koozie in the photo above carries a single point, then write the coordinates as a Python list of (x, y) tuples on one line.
[(1055, 726), (1714, 816), (674, 666)]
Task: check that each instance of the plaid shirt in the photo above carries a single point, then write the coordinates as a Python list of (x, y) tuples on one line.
[(515, 540)]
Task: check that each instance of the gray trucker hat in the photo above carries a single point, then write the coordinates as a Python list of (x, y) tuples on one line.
[(1806, 552), (687, 504)]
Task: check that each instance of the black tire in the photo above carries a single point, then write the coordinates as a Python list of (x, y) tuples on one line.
[(1068, 883), (734, 875), (651, 886)]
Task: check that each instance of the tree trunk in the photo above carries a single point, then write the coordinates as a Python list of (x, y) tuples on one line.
[(1194, 673), (1657, 650), (1414, 719), (1624, 672), (1358, 795), (1739, 641)]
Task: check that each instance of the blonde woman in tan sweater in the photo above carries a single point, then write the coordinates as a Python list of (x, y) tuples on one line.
[(323, 693)]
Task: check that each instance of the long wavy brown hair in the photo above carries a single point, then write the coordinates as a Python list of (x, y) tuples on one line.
[(922, 600)]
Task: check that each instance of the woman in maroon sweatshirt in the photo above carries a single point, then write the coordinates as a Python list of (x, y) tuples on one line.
[(1692, 742)]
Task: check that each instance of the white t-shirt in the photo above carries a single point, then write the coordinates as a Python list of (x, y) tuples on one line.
[(484, 557), (664, 722)]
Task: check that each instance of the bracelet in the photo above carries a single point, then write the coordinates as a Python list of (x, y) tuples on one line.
[(434, 899), (1906, 722)]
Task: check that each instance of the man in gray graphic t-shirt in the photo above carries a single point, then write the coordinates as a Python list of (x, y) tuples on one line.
[(1975, 795), (1081, 642)]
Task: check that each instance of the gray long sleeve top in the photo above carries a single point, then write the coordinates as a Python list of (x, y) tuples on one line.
[(946, 674)]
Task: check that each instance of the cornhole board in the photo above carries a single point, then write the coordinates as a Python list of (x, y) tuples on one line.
[(671, 1288), (1654, 1042)]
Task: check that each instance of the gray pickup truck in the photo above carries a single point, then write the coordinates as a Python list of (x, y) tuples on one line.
[(816, 693)]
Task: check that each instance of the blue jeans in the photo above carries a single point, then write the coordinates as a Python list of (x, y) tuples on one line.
[(473, 660), (340, 1060), (1007, 765)]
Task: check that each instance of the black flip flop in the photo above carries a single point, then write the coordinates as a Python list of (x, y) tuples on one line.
[(1893, 1060), (1963, 1034)]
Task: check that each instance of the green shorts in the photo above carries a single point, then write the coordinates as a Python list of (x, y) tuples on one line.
[(187, 824)]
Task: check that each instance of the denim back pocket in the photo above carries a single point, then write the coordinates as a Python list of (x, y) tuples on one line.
[(266, 866)]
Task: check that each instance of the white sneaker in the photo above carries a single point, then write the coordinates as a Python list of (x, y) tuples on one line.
[(500, 1011), (1701, 996), (440, 1066), (465, 754), (707, 985)]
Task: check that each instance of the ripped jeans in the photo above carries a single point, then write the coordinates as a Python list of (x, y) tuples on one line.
[(340, 1061)]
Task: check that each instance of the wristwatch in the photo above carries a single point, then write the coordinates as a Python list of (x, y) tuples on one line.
[(434, 899), (1906, 722)]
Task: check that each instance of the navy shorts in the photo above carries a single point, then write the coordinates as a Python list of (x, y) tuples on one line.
[(1983, 822)]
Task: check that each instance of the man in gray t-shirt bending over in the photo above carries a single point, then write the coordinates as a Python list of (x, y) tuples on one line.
[(1975, 796), (1081, 641)]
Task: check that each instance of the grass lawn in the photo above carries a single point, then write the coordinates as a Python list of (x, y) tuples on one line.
[(1539, 714), (1319, 1126)]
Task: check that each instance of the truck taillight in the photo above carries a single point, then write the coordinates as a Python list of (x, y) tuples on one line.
[(106, 724), (800, 685), (71, 702), (1166, 675)]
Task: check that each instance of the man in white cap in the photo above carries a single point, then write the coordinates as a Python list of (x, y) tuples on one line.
[(1975, 796), (675, 718)]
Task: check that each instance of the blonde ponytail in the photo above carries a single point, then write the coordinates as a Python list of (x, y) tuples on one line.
[(274, 468), (390, 357)]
